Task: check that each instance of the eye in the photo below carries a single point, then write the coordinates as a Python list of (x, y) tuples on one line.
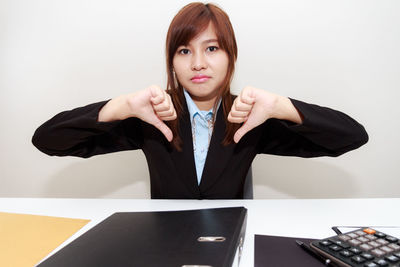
[(184, 51), (212, 48)]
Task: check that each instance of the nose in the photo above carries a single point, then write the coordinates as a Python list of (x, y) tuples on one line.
[(199, 62)]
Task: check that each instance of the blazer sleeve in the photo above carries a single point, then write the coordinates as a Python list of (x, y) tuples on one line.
[(324, 132), (78, 133)]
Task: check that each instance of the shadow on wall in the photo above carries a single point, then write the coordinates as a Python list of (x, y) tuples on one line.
[(119, 175), (287, 177)]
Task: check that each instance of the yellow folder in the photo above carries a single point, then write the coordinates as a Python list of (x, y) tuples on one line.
[(27, 239)]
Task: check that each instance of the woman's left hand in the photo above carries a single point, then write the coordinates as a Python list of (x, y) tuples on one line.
[(254, 106)]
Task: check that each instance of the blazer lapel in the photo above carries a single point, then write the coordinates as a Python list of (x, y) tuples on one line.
[(184, 160), (218, 155)]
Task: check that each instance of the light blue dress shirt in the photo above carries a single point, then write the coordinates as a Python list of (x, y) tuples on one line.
[(202, 128)]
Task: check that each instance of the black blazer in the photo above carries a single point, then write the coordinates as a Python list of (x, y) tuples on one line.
[(324, 132)]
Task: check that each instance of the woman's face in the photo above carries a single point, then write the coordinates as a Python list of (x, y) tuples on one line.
[(201, 67)]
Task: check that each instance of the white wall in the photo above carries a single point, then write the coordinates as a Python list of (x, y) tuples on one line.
[(57, 55)]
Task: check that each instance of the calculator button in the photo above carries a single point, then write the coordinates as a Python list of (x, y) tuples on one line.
[(325, 243), (335, 247), (342, 244), (382, 241), (358, 259), (363, 239), (369, 231), (355, 250), (378, 252), (354, 242), (371, 264), (346, 253), (380, 235), (386, 249), (397, 255), (394, 246), (392, 239), (360, 233), (371, 237), (382, 262), (367, 256), (366, 247), (374, 244), (352, 235), (392, 258), (344, 237)]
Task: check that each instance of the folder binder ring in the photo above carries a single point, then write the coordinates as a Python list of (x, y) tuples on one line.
[(211, 239)]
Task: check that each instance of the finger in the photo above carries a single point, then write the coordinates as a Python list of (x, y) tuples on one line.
[(241, 132), (233, 119), (166, 105), (163, 106), (157, 95), (242, 106), (169, 118), (167, 115), (164, 129), (238, 116), (235, 113), (247, 96)]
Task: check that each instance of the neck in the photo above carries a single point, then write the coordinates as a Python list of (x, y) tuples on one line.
[(205, 105)]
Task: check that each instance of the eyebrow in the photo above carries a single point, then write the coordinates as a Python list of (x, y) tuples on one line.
[(205, 42), (210, 41)]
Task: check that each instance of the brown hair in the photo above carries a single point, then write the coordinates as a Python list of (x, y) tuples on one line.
[(191, 20)]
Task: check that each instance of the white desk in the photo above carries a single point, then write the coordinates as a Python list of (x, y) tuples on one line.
[(296, 218)]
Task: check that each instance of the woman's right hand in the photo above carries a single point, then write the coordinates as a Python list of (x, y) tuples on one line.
[(152, 105)]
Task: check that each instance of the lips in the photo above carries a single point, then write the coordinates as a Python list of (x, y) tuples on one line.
[(200, 78)]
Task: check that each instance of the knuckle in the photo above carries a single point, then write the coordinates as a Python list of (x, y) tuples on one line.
[(162, 107), (237, 105), (241, 106), (235, 113)]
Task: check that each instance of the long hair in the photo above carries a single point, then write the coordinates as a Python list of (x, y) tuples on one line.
[(191, 20)]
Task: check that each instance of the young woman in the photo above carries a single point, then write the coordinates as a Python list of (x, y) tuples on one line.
[(198, 139)]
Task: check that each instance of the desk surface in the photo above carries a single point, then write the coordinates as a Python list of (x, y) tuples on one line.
[(288, 217)]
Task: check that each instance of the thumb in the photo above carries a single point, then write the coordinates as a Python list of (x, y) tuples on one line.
[(164, 129), (242, 131)]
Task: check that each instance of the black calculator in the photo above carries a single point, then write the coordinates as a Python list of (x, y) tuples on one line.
[(364, 247)]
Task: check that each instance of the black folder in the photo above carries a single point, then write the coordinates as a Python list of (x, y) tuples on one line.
[(208, 237)]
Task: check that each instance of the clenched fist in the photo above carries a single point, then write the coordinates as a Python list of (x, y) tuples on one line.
[(152, 105), (254, 106)]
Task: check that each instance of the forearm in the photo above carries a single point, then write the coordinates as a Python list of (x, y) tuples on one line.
[(77, 132), (285, 110), (116, 109), (324, 132), (334, 130)]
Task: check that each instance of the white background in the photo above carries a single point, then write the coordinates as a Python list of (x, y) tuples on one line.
[(57, 55)]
